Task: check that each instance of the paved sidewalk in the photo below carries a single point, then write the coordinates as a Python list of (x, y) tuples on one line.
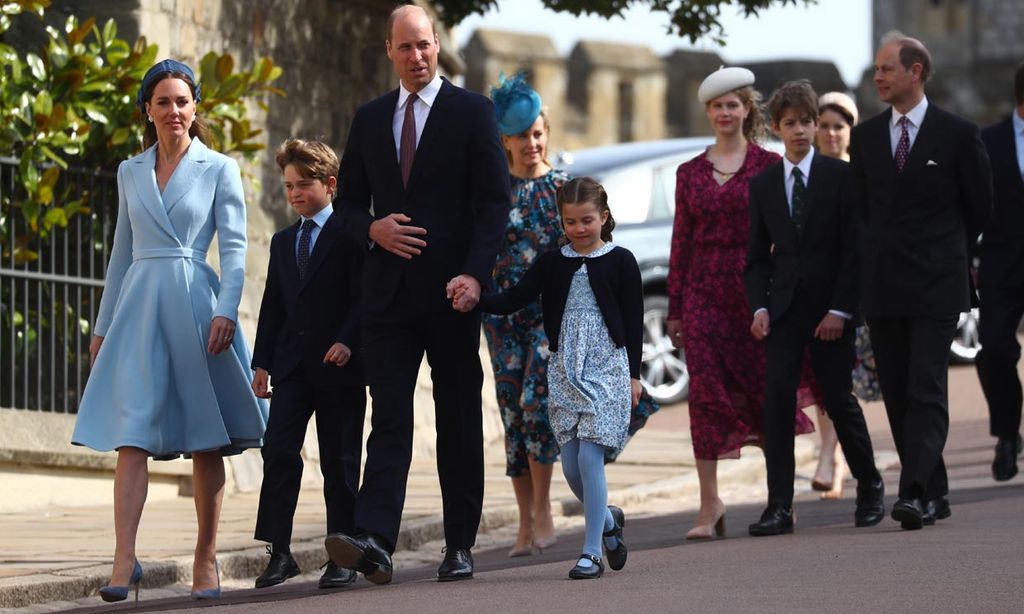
[(63, 554)]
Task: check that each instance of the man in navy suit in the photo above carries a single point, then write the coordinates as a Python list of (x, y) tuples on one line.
[(1001, 284), (307, 339), (922, 178), (425, 185), (801, 279)]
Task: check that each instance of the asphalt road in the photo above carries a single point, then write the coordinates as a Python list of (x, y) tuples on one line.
[(971, 562)]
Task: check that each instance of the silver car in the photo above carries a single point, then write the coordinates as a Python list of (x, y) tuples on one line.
[(640, 179)]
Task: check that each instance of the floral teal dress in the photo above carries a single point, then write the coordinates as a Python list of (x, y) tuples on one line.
[(517, 343)]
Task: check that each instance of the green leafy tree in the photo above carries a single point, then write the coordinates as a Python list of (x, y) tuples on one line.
[(693, 19), (73, 101)]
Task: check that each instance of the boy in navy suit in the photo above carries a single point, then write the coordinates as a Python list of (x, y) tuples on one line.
[(801, 279), (307, 340)]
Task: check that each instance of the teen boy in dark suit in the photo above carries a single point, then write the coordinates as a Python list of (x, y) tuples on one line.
[(307, 340), (801, 280)]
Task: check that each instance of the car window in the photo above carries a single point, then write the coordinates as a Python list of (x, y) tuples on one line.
[(629, 193), (663, 195)]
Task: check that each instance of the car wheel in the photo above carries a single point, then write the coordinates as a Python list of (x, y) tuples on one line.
[(663, 369), (966, 343)]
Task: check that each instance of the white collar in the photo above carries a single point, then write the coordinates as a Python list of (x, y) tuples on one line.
[(804, 165), (1018, 123), (915, 115), (426, 95), (321, 217)]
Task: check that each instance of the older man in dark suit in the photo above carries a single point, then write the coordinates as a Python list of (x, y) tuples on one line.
[(424, 182), (1001, 282), (922, 177)]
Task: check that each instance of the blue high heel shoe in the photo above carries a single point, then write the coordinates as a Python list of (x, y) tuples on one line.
[(120, 593), (209, 593)]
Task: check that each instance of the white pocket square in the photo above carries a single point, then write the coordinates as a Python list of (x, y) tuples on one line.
[(931, 163)]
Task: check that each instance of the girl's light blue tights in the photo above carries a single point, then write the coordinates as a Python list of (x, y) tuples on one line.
[(583, 466)]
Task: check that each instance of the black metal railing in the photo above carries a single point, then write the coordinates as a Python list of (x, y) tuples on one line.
[(48, 305)]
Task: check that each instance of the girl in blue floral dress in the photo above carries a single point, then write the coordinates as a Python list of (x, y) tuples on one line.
[(517, 343), (592, 304)]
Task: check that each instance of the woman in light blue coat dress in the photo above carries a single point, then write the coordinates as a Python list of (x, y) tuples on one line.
[(170, 375)]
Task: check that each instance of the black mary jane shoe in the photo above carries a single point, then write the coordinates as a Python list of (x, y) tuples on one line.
[(617, 557), (587, 573)]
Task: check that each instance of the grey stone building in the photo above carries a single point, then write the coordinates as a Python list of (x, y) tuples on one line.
[(975, 47)]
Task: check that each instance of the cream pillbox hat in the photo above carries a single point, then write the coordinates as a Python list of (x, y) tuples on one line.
[(842, 101), (723, 81)]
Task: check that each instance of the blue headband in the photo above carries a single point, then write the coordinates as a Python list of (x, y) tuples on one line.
[(516, 104), (157, 72)]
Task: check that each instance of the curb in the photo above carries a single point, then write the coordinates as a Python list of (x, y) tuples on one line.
[(73, 584)]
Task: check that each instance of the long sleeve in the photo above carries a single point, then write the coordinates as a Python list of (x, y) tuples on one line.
[(846, 295), (975, 175), (229, 216), (271, 316), (519, 295), (349, 331), (631, 302), (352, 205), (489, 195), (120, 259), (757, 274), (679, 256)]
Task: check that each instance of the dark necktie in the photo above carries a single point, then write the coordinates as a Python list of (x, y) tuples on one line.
[(902, 145), (798, 201), (407, 150), (305, 234)]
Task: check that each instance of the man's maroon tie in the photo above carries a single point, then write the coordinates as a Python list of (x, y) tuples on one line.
[(902, 145), (408, 145)]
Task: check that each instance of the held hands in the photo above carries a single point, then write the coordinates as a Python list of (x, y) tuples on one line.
[(636, 388), (392, 234), (761, 326), (464, 292), (261, 384), (830, 328), (222, 331), (674, 329), (94, 349), (339, 354)]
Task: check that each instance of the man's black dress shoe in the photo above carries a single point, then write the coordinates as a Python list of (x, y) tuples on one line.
[(457, 565), (775, 520), (587, 573), (280, 567), (909, 513), (870, 504), (364, 553), (935, 509), (336, 577), (1004, 467), (617, 557)]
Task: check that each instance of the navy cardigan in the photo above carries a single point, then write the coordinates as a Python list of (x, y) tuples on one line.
[(615, 280)]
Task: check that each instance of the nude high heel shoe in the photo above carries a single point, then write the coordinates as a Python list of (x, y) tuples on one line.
[(708, 531)]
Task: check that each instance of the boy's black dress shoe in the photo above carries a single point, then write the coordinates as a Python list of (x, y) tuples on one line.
[(1004, 467), (935, 509), (870, 504), (457, 565), (280, 567), (775, 520), (336, 577), (617, 557), (364, 553), (587, 573), (909, 513)]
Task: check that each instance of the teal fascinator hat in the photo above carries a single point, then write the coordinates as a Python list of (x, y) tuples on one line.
[(516, 104)]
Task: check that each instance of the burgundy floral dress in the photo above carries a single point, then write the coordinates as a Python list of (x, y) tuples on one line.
[(705, 287)]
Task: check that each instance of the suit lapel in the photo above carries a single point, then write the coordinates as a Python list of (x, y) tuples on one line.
[(880, 135), (322, 247), (813, 181), (185, 177), (291, 265), (143, 170), (432, 131), (778, 203), (924, 144), (386, 122)]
